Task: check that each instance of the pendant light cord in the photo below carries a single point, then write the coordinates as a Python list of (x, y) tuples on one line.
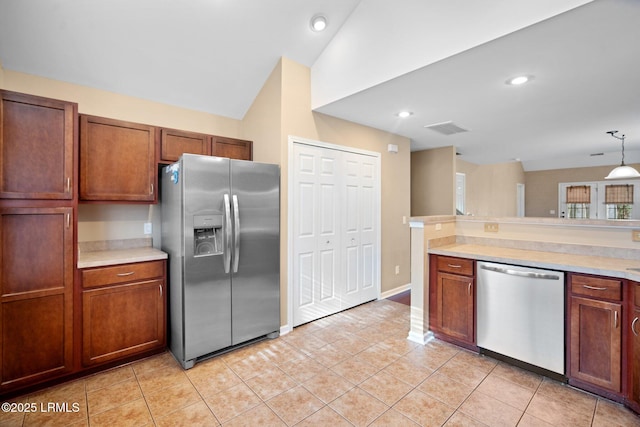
[(620, 138)]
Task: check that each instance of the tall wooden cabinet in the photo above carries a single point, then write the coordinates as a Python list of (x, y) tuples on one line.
[(38, 153), (452, 299), (595, 332), (37, 147)]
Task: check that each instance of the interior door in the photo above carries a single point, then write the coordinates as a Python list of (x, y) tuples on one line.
[(316, 234), (359, 261), (335, 215)]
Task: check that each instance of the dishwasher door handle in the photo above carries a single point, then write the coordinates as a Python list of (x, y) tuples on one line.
[(528, 274)]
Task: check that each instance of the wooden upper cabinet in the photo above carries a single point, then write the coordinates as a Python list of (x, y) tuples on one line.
[(117, 160), (232, 148), (174, 143), (37, 147)]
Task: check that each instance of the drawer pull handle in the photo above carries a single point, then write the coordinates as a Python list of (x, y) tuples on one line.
[(454, 265), (633, 326), (469, 289), (125, 274), (615, 320), (160, 290), (68, 185), (593, 288)]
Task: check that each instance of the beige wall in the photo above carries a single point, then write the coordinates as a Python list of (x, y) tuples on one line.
[(108, 104), (293, 105), (282, 108), (491, 189), (433, 179), (541, 193)]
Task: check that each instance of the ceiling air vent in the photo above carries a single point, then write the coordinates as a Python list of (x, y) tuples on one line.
[(446, 128)]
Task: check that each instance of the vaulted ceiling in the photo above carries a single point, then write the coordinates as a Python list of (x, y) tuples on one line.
[(442, 61)]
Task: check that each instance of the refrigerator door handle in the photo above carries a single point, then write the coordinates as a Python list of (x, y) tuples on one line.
[(227, 235), (236, 234)]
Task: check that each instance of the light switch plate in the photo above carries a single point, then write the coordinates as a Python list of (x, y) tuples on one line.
[(491, 227), (148, 228), (635, 235)]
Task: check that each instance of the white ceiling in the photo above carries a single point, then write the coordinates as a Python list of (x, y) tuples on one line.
[(441, 60)]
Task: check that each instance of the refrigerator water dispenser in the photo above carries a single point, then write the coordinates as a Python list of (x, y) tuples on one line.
[(207, 235)]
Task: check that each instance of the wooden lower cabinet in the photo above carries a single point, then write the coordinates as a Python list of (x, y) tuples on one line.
[(123, 311), (634, 344), (36, 295), (452, 299), (595, 334)]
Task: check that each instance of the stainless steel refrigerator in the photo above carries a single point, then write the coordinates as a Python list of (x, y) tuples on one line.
[(221, 229)]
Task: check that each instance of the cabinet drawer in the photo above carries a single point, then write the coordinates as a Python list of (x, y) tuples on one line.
[(121, 273), (455, 265), (596, 287)]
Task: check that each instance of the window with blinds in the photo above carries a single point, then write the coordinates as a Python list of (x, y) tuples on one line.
[(619, 200), (578, 199)]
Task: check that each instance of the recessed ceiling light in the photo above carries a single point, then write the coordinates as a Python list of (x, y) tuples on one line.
[(318, 23), (404, 114), (518, 80)]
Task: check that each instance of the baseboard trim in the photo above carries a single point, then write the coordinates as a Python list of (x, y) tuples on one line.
[(285, 329), (420, 338), (395, 291)]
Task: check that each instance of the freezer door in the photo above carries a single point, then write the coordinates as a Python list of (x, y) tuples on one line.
[(207, 287), (255, 190)]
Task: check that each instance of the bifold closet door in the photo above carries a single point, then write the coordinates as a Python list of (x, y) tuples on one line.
[(335, 215), (358, 260), (316, 234)]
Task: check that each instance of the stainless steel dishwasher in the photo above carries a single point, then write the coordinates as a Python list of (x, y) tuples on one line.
[(521, 314)]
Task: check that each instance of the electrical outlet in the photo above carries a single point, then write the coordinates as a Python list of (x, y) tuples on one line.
[(397, 269), (491, 227), (438, 227), (635, 235), (148, 229)]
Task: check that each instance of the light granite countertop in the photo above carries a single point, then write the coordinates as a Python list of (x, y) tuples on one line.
[(588, 264), (104, 253)]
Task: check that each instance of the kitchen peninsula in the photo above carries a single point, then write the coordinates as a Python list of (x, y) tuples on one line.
[(599, 259)]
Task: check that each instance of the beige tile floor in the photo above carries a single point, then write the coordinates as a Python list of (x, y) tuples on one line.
[(352, 368)]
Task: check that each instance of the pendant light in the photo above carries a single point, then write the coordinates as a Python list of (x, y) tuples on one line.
[(623, 171)]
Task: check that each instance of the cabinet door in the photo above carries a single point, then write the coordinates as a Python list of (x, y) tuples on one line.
[(232, 148), (596, 339), (123, 320), (455, 306), (174, 143), (634, 371), (117, 160), (36, 294), (37, 141)]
